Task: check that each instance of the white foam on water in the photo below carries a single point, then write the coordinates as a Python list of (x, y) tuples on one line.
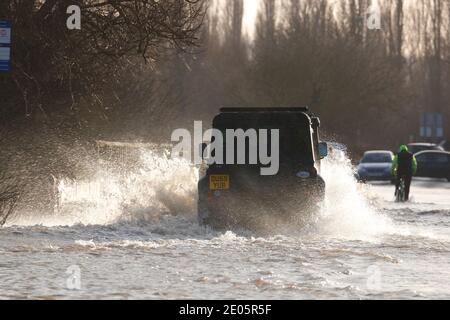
[(148, 217), (354, 211), (160, 185), (347, 213), (161, 196)]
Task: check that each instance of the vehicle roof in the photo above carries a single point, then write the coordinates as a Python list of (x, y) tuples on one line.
[(432, 151), (245, 119), (255, 110), (423, 144), (378, 151)]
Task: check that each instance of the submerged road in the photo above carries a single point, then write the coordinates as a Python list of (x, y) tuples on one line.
[(363, 245)]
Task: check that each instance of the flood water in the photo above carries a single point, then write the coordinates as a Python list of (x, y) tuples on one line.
[(139, 239)]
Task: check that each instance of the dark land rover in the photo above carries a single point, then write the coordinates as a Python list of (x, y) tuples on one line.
[(238, 196)]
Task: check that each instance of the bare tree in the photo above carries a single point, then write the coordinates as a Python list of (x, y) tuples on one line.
[(54, 63), (9, 197), (436, 56), (9, 189)]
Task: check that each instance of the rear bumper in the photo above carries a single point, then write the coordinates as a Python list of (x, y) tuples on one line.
[(259, 208), (374, 177)]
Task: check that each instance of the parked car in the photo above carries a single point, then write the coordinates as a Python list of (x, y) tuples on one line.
[(418, 147), (433, 164), (445, 145), (376, 165)]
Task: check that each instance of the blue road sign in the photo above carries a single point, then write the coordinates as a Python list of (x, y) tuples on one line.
[(431, 125), (5, 46)]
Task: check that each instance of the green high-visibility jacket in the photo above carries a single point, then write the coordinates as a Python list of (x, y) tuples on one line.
[(395, 165)]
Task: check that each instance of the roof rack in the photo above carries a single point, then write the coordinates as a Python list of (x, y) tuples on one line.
[(290, 109)]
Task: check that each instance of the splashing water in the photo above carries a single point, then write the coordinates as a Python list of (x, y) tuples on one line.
[(347, 212), (147, 215), (162, 186)]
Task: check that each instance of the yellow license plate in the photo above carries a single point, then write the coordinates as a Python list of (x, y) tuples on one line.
[(219, 182)]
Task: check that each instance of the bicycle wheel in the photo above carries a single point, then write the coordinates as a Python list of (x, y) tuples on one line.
[(402, 191), (400, 194)]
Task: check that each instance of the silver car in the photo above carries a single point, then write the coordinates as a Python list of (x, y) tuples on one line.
[(376, 165)]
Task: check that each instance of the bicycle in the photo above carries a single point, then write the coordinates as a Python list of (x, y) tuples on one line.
[(400, 192)]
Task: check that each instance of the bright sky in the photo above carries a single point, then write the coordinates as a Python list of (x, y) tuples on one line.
[(251, 8), (250, 14)]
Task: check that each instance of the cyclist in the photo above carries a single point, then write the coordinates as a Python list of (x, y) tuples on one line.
[(404, 166)]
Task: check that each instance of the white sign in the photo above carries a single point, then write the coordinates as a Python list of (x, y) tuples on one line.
[(5, 35), (5, 53)]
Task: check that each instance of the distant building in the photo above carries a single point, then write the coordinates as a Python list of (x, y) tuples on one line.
[(432, 127)]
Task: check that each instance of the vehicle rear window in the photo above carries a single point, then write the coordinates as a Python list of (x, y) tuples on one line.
[(419, 148), (434, 158), (377, 158), (295, 132)]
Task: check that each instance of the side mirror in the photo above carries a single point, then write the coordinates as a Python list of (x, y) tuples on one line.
[(323, 150)]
